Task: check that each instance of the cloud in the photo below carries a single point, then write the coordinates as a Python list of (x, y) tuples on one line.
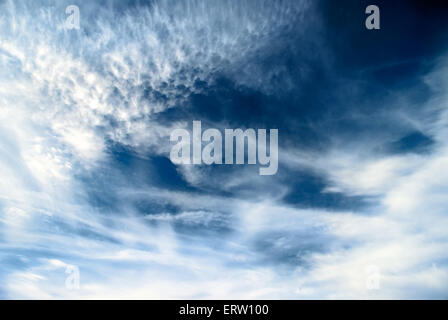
[(84, 121)]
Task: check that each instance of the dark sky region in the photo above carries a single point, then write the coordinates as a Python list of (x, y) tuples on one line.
[(87, 182)]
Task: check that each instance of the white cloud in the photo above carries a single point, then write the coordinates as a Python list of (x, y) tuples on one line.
[(63, 95)]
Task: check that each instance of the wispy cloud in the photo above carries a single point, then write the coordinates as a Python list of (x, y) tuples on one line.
[(70, 98)]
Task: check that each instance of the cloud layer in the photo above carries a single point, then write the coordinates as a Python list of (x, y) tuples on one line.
[(85, 118)]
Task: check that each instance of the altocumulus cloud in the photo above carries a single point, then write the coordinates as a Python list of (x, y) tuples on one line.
[(85, 119)]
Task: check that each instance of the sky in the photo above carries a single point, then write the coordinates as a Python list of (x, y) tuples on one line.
[(357, 208)]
